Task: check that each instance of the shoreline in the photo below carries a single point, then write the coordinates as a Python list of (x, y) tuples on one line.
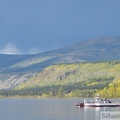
[(44, 97)]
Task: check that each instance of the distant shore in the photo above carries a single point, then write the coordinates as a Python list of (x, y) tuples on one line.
[(43, 97)]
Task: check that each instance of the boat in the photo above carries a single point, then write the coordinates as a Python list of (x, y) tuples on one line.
[(98, 102)]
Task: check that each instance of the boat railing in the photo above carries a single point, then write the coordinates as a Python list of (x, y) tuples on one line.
[(97, 100)]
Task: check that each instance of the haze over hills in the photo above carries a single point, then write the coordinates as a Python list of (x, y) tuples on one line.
[(15, 69), (92, 50)]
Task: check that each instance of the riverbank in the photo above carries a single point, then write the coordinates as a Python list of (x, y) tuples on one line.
[(47, 97)]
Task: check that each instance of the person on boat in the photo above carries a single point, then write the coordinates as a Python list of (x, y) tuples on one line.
[(85, 101), (106, 101), (109, 101)]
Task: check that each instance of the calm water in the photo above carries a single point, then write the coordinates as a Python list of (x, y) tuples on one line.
[(48, 109)]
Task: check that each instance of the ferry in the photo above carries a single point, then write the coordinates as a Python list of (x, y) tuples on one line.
[(98, 102)]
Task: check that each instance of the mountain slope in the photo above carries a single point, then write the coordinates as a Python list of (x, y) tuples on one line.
[(25, 66), (99, 49), (75, 78), (72, 73)]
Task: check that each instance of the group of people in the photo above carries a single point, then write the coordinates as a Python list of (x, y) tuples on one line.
[(99, 100), (106, 101)]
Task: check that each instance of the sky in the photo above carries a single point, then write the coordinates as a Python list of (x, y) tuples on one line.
[(36, 26)]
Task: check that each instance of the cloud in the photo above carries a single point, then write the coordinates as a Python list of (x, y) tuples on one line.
[(12, 49), (9, 49)]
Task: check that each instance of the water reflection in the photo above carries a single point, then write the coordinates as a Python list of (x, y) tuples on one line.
[(91, 113)]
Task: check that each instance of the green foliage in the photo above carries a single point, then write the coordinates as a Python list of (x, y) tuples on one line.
[(112, 90), (72, 80)]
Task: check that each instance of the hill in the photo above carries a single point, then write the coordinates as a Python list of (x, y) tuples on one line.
[(92, 50), (16, 69), (73, 80)]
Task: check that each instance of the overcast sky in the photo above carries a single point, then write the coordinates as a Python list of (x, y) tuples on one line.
[(34, 26)]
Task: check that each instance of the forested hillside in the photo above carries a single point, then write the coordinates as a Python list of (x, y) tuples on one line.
[(73, 80), (77, 70)]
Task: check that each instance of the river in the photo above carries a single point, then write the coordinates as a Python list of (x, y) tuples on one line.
[(48, 109)]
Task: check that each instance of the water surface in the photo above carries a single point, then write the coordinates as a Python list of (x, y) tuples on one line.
[(48, 109)]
